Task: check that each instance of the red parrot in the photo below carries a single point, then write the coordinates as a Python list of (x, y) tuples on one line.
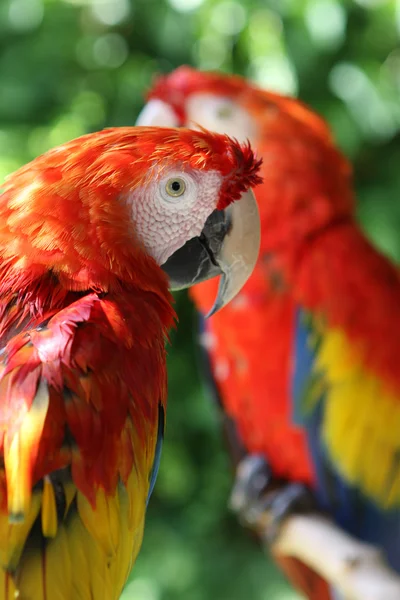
[(305, 359), (86, 233)]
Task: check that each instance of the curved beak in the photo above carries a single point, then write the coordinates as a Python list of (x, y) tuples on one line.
[(157, 113), (228, 246)]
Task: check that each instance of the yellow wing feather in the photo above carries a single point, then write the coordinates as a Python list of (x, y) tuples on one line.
[(362, 421), (87, 555)]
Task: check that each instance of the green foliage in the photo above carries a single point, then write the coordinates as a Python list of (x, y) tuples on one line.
[(69, 67)]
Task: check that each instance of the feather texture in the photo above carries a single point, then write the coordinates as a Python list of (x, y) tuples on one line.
[(91, 420)]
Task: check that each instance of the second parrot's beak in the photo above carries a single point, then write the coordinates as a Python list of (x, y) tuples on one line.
[(228, 246)]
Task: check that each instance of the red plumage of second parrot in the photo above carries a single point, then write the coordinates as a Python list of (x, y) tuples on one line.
[(88, 234), (305, 360)]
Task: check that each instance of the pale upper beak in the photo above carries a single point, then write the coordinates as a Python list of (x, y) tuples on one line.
[(228, 246), (229, 243)]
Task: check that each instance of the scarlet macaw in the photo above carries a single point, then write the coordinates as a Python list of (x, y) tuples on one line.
[(84, 315)]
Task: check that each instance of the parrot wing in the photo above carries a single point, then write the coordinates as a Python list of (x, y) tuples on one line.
[(353, 429), (78, 444)]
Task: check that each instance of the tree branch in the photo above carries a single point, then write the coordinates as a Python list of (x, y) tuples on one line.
[(355, 569)]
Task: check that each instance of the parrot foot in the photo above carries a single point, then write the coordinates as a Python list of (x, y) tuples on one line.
[(253, 475), (261, 502)]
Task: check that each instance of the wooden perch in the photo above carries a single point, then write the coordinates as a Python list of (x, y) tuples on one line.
[(355, 569)]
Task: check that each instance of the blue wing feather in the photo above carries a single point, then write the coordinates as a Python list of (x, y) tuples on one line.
[(157, 454), (303, 365), (349, 507)]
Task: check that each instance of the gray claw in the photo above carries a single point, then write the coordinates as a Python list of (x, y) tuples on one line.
[(252, 477), (266, 509)]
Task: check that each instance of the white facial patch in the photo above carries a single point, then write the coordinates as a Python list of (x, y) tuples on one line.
[(220, 114), (157, 112), (173, 208)]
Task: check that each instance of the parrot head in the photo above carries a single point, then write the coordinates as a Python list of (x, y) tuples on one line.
[(105, 209), (222, 103), (306, 179)]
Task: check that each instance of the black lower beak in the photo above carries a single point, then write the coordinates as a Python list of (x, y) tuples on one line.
[(196, 261)]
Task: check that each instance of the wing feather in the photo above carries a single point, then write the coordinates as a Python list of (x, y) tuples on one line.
[(352, 421), (79, 426)]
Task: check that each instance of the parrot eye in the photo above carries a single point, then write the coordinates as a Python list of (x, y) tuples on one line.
[(178, 188), (224, 111), (175, 187)]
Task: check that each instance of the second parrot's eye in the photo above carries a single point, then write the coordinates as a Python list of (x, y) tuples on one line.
[(224, 111), (175, 187)]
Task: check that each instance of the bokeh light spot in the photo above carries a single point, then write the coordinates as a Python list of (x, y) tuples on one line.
[(141, 589), (210, 51), (90, 107), (372, 3), (110, 50), (7, 166), (228, 17), (185, 5), (350, 83), (326, 22), (66, 128), (25, 15), (111, 12), (274, 72)]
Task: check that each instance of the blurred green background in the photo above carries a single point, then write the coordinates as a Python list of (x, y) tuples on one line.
[(73, 66)]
